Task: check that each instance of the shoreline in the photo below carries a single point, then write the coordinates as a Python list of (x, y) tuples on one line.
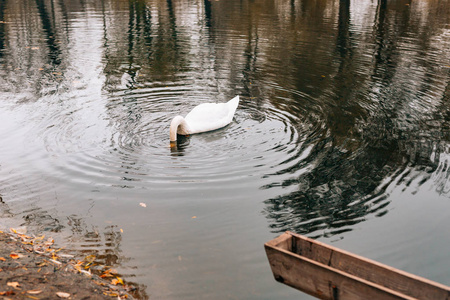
[(31, 268)]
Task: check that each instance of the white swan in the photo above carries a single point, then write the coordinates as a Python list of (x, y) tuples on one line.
[(204, 117)]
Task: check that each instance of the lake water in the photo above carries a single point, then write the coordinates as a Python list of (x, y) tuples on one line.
[(342, 134)]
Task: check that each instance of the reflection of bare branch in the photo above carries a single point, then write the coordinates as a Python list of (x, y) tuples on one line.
[(363, 151), (50, 33)]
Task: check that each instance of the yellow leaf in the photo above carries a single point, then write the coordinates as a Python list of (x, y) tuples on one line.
[(194, 217), (34, 292), (116, 281), (2, 258)]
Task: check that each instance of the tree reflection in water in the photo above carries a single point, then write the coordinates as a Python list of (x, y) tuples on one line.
[(374, 134)]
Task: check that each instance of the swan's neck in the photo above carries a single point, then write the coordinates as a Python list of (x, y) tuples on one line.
[(178, 125)]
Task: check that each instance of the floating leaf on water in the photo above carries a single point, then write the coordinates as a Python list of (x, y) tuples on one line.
[(143, 204), (15, 255)]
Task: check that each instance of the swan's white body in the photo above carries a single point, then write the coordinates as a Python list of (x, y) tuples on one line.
[(204, 117)]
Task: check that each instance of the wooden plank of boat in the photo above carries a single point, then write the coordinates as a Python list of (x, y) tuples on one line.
[(327, 272)]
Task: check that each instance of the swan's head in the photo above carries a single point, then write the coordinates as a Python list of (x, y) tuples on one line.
[(178, 126)]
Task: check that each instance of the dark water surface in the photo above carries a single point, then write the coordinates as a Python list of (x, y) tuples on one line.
[(342, 134)]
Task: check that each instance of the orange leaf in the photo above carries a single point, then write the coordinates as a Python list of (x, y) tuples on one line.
[(2, 258), (15, 255), (117, 280), (7, 293), (114, 281)]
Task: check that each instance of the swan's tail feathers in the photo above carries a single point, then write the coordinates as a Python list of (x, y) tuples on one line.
[(233, 103)]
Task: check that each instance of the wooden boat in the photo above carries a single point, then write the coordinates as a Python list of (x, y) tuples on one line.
[(327, 272)]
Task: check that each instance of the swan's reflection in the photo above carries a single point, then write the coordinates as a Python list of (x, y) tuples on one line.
[(177, 149)]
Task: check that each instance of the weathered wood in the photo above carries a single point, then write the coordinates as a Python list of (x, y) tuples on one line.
[(327, 272)]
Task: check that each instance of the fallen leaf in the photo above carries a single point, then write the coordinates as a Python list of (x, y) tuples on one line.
[(34, 292), (143, 204), (111, 294), (67, 255), (87, 273), (194, 217), (99, 283), (2, 258), (15, 255), (19, 230), (62, 295), (55, 261), (14, 284), (108, 273), (121, 230), (116, 281), (7, 293)]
